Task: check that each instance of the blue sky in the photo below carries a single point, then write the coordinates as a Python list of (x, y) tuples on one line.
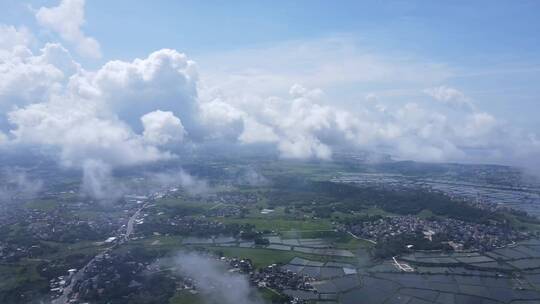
[(494, 45), (451, 30), (427, 80)]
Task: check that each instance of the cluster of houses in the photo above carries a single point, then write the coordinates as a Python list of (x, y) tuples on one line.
[(242, 265), (12, 253), (26, 229), (180, 225), (237, 198), (459, 233), (57, 284), (224, 210), (273, 277), (108, 272), (279, 279)]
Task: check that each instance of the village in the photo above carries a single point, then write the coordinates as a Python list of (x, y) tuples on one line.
[(457, 234)]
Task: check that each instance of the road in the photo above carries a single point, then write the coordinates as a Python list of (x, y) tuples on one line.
[(402, 266), (359, 238), (79, 275), (129, 228)]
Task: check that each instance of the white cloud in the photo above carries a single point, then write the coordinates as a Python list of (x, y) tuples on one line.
[(132, 112), (165, 80), (17, 184), (27, 78), (450, 96), (387, 117), (478, 125), (122, 113), (222, 119), (215, 283), (95, 118), (292, 124), (11, 37), (82, 133), (189, 183), (161, 128), (255, 132), (304, 147), (108, 115), (67, 19), (305, 125), (98, 182)]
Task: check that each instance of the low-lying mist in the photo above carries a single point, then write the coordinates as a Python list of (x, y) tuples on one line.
[(214, 281), (15, 183)]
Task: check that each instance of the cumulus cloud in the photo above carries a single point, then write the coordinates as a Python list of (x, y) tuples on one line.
[(161, 128), (256, 132), (225, 120), (395, 120), (10, 37), (305, 125), (50, 100), (110, 115), (165, 80), (450, 96), (81, 133), (67, 19), (293, 125), (133, 112), (125, 112), (27, 78)]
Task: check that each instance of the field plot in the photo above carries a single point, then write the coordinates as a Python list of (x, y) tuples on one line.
[(520, 257), (505, 275), (319, 270), (332, 278), (306, 246), (278, 224), (316, 246), (443, 289)]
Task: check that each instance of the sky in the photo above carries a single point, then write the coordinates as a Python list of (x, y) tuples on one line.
[(115, 83)]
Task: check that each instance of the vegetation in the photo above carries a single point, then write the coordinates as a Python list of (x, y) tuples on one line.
[(20, 283), (403, 243), (280, 224), (261, 257), (185, 297), (323, 198)]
